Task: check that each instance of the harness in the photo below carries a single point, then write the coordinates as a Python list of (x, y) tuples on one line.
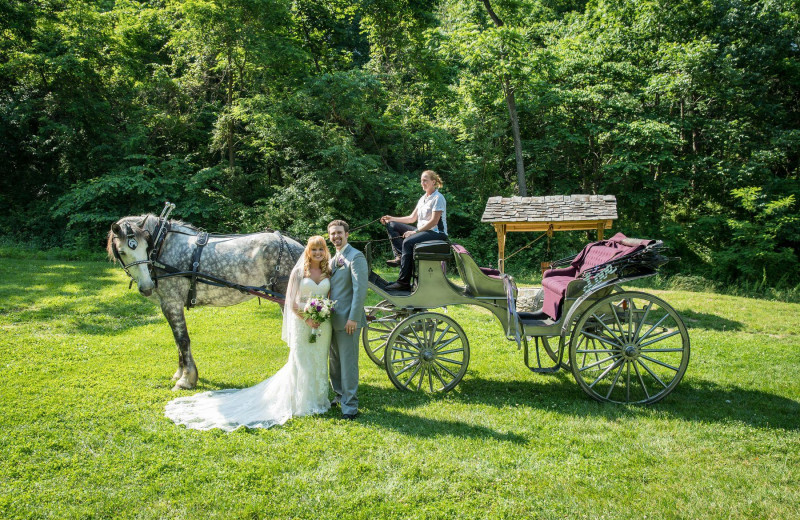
[(163, 229)]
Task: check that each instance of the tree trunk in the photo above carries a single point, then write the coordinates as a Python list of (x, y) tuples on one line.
[(230, 108), (512, 113), (511, 103)]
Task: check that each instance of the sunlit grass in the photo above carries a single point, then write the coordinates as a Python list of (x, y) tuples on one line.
[(85, 367)]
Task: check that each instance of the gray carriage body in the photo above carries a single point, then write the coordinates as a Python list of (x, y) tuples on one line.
[(621, 346)]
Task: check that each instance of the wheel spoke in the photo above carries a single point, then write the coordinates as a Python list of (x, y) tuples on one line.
[(401, 360), (631, 307), (606, 371), (628, 382), (436, 362), (450, 361), (616, 319), (444, 344), (408, 342), (657, 362), (600, 338), (653, 327), (450, 351), (616, 378), (651, 373), (436, 371), (412, 352), (607, 328), (414, 373), (595, 351), (641, 381), (419, 341), (442, 334), (661, 350), (421, 377), (410, 365), (600, 362), (642, 321), (662, 337)]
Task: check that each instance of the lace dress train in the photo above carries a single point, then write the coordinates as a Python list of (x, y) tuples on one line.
[(299, 388)]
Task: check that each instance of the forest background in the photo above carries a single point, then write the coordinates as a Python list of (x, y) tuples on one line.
[(286, 114)]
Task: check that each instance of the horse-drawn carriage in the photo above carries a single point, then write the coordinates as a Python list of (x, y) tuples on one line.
[(622, 346)]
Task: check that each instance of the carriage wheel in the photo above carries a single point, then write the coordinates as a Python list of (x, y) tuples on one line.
[(381, 321), (629, 347), (427, 352)]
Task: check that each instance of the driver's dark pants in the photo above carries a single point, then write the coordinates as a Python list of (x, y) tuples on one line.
[(396, 230), (407, 256)]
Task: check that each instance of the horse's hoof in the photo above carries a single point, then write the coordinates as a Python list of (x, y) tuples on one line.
[(182, 385), (177, 375)]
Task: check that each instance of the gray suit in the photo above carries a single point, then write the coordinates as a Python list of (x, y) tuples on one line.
[(349, 289)]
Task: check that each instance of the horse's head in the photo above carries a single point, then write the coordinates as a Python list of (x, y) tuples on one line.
[(129, 242)]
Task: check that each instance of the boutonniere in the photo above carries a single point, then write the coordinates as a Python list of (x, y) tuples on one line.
[(340, 262)]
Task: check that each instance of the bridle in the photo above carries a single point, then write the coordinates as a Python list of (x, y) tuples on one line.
[(154, 247)]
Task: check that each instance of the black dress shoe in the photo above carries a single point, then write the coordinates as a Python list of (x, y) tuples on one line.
[(349, 416), (398, 286), (395, 262)]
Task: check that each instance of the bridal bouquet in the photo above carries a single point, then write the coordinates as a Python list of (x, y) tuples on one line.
[(319, 310)]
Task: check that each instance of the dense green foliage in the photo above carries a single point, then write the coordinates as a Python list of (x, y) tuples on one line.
[(254, 113)]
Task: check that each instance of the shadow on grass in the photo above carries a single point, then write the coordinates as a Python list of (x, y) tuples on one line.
[(42, 291), (701, 320), (701, 401)]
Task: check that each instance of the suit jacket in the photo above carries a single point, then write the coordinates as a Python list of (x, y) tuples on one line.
[(349, 284)]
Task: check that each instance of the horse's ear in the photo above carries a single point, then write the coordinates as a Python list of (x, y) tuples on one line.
[(143, 222), (116, 229)]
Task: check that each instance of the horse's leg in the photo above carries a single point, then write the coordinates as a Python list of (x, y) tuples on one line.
[(187, 371)]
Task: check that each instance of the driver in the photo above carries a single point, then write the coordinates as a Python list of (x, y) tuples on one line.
[(430, 214)]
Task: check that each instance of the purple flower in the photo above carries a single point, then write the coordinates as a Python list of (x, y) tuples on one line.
[(319, 307), (340, 261)]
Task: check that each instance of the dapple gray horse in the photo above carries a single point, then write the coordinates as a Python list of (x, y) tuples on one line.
[(247, 260)]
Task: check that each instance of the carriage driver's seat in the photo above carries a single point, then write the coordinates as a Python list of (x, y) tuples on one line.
[(432, 250)]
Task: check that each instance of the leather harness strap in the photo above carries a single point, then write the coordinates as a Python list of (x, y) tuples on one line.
[(202, 240)]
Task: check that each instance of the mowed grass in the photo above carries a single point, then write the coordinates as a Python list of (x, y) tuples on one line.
[(85, 369)]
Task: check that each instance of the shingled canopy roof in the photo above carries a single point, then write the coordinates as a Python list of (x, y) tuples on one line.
[(552, 208), (548, 214)]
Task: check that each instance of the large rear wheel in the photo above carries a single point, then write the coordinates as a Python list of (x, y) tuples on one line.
[(629, 347)]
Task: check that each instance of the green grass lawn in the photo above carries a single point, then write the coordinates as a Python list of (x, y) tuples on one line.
[(85, 369)]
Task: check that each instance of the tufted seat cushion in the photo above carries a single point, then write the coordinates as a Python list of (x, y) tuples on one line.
[(555, 281)]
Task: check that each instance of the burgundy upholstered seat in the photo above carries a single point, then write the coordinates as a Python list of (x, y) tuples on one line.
[(555, 281)]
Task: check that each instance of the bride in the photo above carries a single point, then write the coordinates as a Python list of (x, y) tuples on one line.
[(300, 387)]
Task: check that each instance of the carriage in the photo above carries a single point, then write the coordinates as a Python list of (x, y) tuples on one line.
[(622, 346)]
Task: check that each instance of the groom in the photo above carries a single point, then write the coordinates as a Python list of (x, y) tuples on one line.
[(349, 290)]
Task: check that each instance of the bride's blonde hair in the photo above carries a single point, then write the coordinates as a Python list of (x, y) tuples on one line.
[(325, 265)]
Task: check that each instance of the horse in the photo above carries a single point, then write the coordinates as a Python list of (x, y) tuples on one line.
[(185, 255)]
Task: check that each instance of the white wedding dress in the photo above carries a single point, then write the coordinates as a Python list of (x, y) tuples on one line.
[(299, 388)]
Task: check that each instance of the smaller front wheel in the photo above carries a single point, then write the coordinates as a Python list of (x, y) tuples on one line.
[(427, 352), (381, 320)]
